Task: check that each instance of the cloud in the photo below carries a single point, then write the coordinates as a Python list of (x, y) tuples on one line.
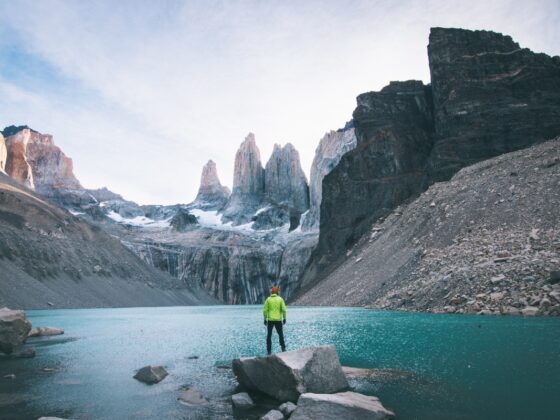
[(141, 94)]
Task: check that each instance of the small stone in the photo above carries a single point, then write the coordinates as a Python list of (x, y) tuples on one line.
[(497, 279), (432, 204), (48, 370), (50, 303), (555, 294), (192, 357), (545, 303), (242, 401), (287, 408), (497, 296), (151, 374), (529, 311), (273, 415)]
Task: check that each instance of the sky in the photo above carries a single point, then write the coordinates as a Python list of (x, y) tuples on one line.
[(140, 94)]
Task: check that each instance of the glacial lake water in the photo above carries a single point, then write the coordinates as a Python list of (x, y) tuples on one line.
[(442, 366)]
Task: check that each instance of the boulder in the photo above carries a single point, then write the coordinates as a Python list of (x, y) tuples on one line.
[(285, 376), (191, 396), (344, 405), (287, 408), (45, 331), (151, 374), (14, 328), (273, 415), (242, 400)]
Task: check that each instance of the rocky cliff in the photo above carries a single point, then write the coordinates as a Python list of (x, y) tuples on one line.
[(248, 183), (17, 165), (331, 148), (211, 193), (487, 97), (487, 241), (285, 182)]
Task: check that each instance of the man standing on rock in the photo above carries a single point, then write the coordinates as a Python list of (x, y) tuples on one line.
[(274, 312)]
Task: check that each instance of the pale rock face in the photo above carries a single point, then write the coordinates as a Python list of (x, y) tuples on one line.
[(248, 183), (3, 154), (35, 161), (327, 155), (52, 169), (211, 192), (17, 165), (285, 182)]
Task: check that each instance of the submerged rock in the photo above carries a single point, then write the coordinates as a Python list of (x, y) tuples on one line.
[(14, 328), (242, 400), (286, 376), (191, 396), (45, 331), (151, 374), (344, 405)]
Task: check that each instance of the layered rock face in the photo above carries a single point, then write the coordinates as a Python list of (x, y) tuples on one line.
[(327, 155), (248, 183), (488, 97), (393, 130), (211, 193), (285, 182)]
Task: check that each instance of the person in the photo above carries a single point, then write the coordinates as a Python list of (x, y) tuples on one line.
[(274, 311)]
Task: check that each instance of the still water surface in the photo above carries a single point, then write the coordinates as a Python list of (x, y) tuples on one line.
[(445, 366)]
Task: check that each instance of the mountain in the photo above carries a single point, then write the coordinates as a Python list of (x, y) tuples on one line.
[(487, 97), (48, 257), (211, 193), (487, 241)]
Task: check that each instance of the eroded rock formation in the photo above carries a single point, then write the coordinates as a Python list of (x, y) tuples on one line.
[(211, 193), (285, 182), (17, 166), (248, 183)]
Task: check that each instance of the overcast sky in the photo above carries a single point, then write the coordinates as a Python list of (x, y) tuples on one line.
[(142, 93)]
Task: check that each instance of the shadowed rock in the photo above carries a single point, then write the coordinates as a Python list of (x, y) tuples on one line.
[(285, 376), (344, 405), (14, 328)]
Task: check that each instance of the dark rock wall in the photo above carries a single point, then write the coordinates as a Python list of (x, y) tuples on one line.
[(488, 97)]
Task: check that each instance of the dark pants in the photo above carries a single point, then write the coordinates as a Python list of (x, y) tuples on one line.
[(279, 330)]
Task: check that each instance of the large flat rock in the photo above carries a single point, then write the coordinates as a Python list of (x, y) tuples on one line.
[(344, 405), (285, 376), (14, 328)]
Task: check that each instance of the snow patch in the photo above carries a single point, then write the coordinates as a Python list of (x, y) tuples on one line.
[(76, 213), (139, 221)]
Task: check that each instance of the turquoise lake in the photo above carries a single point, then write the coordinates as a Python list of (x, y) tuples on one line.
[(442, 366)]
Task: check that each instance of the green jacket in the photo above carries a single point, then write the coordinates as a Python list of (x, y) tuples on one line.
[(274, 308)]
